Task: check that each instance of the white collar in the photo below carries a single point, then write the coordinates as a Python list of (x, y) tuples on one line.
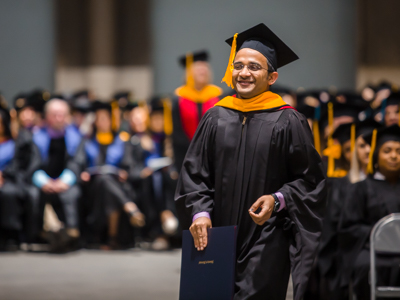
[(379, 176)]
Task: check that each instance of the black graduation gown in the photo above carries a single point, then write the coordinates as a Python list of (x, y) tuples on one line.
[(229, 165), (104, 193), (329, 255), (18, 197), (144, 188), (366, 203)]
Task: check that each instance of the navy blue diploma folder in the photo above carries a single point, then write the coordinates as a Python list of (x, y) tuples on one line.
[(209, 274)]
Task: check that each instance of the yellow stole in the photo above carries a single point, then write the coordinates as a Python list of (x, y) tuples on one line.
[(266, 100), (104, 138), (187, 92)]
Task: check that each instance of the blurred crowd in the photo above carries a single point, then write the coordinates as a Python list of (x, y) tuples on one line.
[(79, 172)]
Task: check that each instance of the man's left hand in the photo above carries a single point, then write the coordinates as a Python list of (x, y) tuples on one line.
[(267, 204), (60, 186)]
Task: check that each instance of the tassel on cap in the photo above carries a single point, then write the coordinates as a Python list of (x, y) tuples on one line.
[(189, 73), (168, 126), (229, 69), (353, 137), (115, 116), (331, 159), (370, 168), (317, 141)]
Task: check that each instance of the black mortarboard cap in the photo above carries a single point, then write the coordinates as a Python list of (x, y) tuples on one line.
[(156, 104), (384, 134), (308, 104), (366, 127), (342, 133), (197, 56), (263, 40), (393, 99), (99, 105)]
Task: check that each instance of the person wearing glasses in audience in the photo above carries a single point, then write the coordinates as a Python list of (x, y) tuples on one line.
[(252, 163)]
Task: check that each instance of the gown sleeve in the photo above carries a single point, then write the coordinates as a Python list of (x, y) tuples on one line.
[(195, 190), (305, 194), (79, 162)]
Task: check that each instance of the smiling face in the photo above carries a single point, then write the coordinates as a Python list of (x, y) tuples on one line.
[(389, 158), (248, 83)]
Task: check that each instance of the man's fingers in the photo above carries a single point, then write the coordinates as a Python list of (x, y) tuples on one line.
[(255, 205), (194, 235), (205, 237), (200, 236)]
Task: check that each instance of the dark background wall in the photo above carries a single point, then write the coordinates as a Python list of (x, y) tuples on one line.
[(27, 45), (322, 33)]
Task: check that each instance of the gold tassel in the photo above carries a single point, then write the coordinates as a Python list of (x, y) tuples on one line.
[(168, 126), (331, 159), (370, 168), (189, 73), (229, 69), (353, 137), (115, 116), (317, 141)]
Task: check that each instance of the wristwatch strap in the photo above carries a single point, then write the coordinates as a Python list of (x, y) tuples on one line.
[(277, 203)]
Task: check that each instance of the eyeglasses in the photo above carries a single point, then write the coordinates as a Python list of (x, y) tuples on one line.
[(252, 67)]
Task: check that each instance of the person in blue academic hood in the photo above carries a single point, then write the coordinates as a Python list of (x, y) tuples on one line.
[(18, 160), (105, 167), (57, 143)]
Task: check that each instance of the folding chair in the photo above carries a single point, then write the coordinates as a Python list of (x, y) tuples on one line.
[(385, 238)]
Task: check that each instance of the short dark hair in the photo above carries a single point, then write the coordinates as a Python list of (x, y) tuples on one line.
[(270, 67)]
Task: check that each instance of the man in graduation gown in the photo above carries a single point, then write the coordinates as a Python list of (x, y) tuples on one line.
[(193, 100), (252, 163), (57, 143)]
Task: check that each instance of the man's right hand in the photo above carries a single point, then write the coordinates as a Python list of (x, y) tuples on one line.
[(48, 188), (198, 229)]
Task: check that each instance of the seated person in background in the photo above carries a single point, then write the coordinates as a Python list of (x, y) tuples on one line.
[(16, 164), (366, 202), (28, 108), (81, 117), (153, 177), (356, 150), (57, 143), (105, 165)]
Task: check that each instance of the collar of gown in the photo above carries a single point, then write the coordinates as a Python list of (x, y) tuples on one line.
[(266, 100), (207, 93)]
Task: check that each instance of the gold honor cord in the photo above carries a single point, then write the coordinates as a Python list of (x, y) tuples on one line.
[(317, 141), (229, 69), (370, 168)]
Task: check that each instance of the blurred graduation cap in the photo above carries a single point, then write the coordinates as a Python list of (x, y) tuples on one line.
[(187, 60), (201, 55), (164, 106), (124, 98), (35, 99), (263, 40), (377, 138), (101, 105)]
